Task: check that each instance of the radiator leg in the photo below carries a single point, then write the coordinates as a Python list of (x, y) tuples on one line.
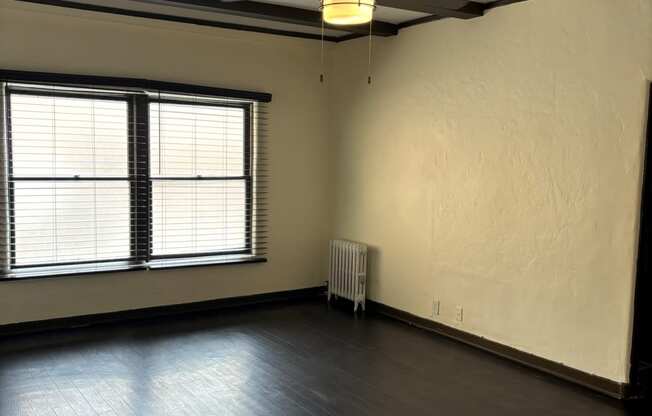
[(363, 305), (355, 306)]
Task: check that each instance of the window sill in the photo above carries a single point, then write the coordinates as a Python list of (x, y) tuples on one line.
[(117, 267), (204, 261)]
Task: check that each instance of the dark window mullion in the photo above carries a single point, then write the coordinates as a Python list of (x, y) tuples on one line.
[(248, 163), (10, 183), (198, 178), (140, 185)]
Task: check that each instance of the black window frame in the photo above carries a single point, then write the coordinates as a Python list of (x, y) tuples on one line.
[(140, 184), (247, 177), (11, 179)]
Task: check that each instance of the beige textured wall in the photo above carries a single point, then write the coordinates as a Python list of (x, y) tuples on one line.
[(495, 164), (50, 39)]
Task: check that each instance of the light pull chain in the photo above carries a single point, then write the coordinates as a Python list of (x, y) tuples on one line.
[(369, 67), (321, 76)]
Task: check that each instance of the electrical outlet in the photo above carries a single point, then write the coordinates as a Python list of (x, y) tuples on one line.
[(435, 307), (459, 313)]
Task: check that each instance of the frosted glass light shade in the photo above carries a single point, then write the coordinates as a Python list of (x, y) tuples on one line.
[(348, 12)]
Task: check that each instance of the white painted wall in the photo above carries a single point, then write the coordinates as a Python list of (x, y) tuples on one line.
[(496, 164), (40, 38)]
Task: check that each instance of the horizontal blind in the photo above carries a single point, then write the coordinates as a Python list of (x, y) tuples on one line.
[(97, 178), (202, 170), (67, 179)]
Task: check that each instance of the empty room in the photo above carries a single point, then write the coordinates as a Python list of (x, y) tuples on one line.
[(325, 207)]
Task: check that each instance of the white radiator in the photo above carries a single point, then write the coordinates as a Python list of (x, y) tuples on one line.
[(347, 275)]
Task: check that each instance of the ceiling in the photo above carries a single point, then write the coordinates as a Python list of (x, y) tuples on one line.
[(299, 18)]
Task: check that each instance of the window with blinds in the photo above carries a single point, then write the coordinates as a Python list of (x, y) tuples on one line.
[(68, 181), (105, 179), (200, 179)]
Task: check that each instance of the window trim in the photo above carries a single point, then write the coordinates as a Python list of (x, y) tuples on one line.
[(123, 267), (123, 83), (138, 259)]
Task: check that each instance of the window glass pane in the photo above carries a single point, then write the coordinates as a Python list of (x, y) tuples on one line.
[(70, 221), (61, 136), (190, 140), (193, 216)]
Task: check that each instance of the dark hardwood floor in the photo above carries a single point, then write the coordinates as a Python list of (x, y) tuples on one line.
[(299, 358)]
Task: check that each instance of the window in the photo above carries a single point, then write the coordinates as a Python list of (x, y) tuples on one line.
[(106, 179), (200, 179), (69, 188)]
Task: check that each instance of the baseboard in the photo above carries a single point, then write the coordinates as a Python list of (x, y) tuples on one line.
[(158, 311), (591, 381), (597, 383)]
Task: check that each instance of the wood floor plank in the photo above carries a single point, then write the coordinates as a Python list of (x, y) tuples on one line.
[(301, 358)]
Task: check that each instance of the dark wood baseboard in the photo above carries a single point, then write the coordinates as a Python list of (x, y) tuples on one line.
[(591, 381), (597, 383), (158, 311)]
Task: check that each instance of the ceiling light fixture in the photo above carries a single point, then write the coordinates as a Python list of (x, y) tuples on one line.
[(347, 12)]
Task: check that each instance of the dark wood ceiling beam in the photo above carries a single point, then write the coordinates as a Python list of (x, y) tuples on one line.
[(275, 13), (179, 19), (460, 9)]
